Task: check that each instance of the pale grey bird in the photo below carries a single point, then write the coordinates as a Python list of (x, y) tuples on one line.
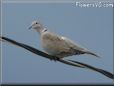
[(57, 45)]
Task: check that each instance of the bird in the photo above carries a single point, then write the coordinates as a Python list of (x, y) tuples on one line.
[(56, 45)]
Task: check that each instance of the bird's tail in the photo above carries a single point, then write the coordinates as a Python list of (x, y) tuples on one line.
[(91, 53)]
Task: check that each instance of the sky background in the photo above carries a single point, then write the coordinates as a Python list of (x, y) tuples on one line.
[(90, 27)]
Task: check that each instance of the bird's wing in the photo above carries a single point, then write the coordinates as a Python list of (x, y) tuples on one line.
[(77, 48), (72, 44), (74, 47)]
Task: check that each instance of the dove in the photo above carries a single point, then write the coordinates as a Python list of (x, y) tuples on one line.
[(56, 45)]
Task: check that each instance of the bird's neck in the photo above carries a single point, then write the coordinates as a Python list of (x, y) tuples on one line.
[(41, 30)]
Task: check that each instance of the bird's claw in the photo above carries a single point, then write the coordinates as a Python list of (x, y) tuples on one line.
[(54, 58)]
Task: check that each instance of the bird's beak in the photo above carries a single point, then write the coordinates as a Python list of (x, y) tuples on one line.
[(30, 27)]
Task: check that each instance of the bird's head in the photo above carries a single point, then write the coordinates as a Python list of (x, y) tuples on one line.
[(36, 25)]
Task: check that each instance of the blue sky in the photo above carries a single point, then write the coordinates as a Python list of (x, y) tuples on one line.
[(90, 27)]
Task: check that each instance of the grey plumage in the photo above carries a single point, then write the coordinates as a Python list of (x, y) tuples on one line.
[(57, 45)]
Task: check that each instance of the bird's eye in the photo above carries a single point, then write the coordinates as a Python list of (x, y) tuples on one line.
[(36, 22)]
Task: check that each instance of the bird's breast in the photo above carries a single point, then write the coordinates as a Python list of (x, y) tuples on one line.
[(53, 45)]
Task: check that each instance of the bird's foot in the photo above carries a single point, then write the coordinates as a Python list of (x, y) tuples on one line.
[(54, 58)]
